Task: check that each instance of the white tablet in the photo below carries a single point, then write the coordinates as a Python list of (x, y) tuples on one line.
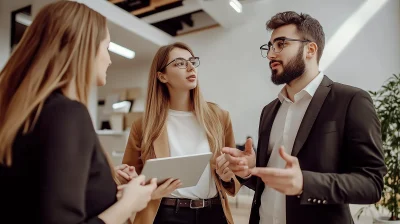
[(188, 169)]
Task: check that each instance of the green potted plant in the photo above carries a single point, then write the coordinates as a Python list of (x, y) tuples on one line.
[(387, 104)]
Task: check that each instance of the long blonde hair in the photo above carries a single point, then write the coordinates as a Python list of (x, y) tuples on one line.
[(157, 106), (57, 51)]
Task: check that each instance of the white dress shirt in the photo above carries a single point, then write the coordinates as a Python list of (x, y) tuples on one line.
[(187, 137), (283, 133)]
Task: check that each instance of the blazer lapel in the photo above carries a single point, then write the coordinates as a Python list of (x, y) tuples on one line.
[(311, 114), (267, 120), (161, 146), (265, 150)]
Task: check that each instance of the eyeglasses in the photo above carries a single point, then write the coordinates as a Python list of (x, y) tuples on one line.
[(277, 46), (183, 63)]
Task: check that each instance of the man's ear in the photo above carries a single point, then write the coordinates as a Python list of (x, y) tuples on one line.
[(312, 50)]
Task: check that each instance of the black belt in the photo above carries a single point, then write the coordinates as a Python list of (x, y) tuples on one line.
[(188, 203)]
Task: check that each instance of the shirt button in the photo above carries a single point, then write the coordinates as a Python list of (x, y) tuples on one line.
[(315, 200), (309, 200), (319, 201), (324, 202)]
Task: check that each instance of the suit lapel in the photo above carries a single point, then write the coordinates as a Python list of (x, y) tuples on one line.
[(161, 146), (311, 114), (265, 151)]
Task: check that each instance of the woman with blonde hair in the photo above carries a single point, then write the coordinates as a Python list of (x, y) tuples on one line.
[(177, 122), (52, 167)]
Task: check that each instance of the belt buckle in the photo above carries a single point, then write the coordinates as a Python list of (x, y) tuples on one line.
[(194, 207)]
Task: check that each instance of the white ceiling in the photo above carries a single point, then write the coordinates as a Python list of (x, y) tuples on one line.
[(144, 49), (138, 35)]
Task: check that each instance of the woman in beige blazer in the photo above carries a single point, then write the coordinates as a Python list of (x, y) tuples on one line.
[(178, 121)]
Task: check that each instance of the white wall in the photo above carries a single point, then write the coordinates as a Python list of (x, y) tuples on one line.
[(134, 74), (234, 75), (6, 7)]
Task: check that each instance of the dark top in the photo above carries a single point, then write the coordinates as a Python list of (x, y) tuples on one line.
[(340, 153), (59, 173)]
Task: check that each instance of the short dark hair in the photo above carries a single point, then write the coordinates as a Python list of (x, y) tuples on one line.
[(307, 26)]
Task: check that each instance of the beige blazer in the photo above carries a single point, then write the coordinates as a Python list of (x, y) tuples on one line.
[(132, 157)]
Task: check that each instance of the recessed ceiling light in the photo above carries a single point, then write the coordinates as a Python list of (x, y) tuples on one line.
[(236, 5), (23, 19), (125, 52)]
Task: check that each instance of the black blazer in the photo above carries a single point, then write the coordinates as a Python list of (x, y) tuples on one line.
[(340, 152), (59, 172)]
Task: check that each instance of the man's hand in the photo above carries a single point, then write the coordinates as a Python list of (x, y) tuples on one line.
[(288, 181), (240, 162)]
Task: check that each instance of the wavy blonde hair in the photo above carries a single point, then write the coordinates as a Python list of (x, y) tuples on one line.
[(57, 51), (157, 106)]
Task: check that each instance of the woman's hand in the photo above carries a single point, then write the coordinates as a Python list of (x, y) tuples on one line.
[(223, 170), (125, 173), (166, 188), (136, 194)]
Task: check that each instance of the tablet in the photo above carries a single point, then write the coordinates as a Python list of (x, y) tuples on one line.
[(188, 169)]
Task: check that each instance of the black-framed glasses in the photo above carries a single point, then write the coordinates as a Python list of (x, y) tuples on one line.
[(277, 46), (183, 63)]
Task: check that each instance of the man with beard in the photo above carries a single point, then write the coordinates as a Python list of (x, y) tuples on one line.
[(319, 145)]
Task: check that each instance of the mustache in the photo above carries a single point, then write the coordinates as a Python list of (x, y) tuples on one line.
[(272, 61)]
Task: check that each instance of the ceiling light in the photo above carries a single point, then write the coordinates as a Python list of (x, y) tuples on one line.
[(236, 5), (23, 19), (125, 52)]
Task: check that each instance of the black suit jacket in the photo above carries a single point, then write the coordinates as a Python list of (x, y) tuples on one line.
[(59, 173), (340, 153)]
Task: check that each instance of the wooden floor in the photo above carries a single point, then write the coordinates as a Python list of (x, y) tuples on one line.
[(240, 215), (241, 205)]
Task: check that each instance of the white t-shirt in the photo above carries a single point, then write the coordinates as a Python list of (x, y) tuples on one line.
[(187, 137)]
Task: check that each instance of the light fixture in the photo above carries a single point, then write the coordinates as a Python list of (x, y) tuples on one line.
[(125, 52), (123, 106), (236, 5), (23, 19)]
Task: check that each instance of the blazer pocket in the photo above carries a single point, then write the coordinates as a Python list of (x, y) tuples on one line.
[(329, 127)]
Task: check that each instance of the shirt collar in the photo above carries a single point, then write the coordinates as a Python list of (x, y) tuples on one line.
[(310, 89)]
